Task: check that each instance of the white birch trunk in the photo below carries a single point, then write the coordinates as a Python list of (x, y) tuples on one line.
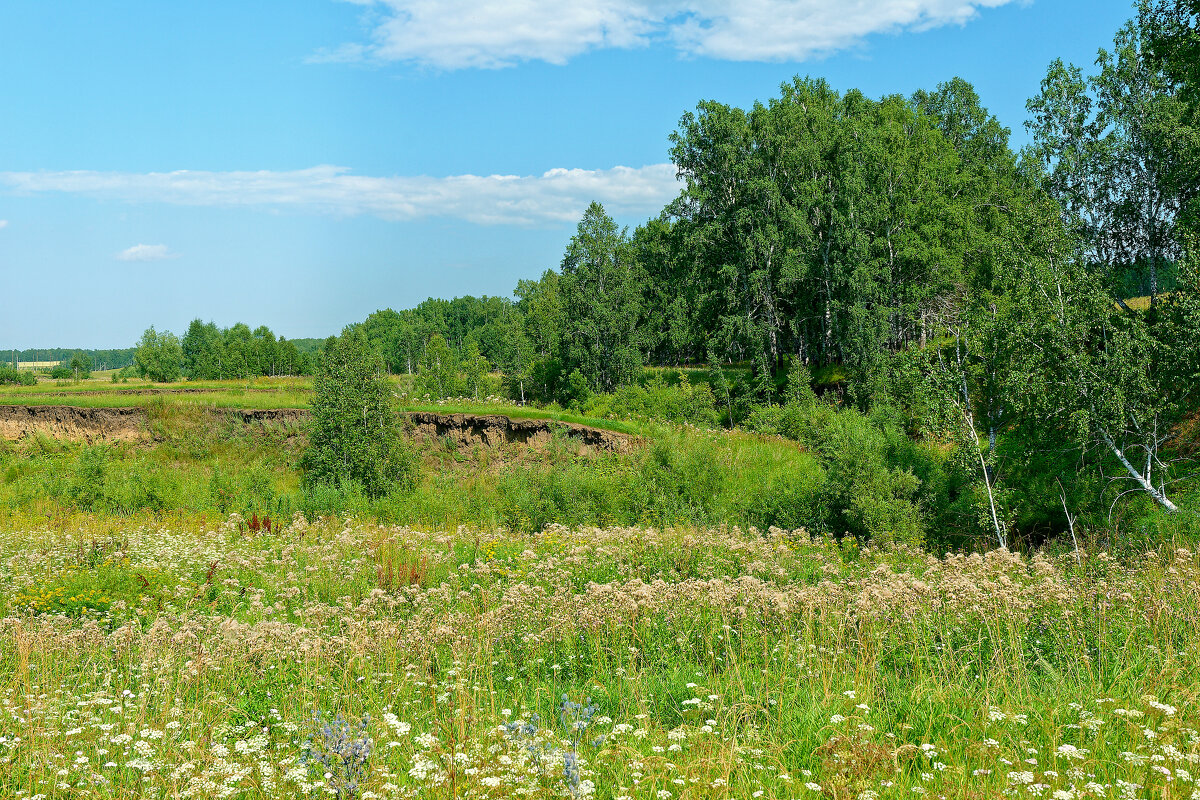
[(1142, 480)]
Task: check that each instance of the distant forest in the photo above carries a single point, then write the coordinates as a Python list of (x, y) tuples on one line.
[(100, 359), (306, 352)]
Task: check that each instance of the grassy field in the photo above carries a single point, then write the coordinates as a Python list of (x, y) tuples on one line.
[(214, 661), (259, 393), (182, 618), (203, 465)]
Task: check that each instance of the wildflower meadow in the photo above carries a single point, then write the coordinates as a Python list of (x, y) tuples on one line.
[(348, 659)]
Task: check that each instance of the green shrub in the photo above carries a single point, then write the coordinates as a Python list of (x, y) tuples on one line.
[(873, 493), (330, 500), (12, 376), (87, 486), (139, 485), (353, 435), (788, 500), (658, 399)]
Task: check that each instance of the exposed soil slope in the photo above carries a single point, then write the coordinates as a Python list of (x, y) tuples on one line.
[(70, 422), (131, 424), (495, 429)]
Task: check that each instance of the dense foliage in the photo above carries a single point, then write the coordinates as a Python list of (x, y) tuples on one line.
[(210, 353), (353, 437), (158, 356), (12, 376)]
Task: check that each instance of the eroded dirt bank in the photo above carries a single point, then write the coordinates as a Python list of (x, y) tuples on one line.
[(492, 430), (132, 424), (71, 422)]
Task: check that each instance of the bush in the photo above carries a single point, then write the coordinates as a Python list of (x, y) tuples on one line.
[(15, 377), (87, 488), (660, 400), (872, 489), (789, 500), (353, 435)]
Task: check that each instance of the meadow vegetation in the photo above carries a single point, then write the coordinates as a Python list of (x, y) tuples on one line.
[(897, 498), (166, 660)]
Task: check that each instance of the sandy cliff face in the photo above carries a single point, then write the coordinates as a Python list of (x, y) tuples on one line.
[(70, 422)]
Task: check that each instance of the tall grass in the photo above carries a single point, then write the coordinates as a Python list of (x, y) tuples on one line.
[(677, 476), (721, 663)]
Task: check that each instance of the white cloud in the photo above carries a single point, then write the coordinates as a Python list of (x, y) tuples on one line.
[(145, 252), (454, 34), (559, 195), (3, 224)]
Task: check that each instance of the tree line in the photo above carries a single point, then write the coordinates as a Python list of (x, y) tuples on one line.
[(97, 359), (986, 292), (839, 229), (969, 292), (207, 352)]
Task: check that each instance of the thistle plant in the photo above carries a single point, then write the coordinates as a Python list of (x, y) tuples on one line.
[(340, 750), (575, 718)]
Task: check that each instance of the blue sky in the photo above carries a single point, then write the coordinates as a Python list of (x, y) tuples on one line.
[(303, 163)]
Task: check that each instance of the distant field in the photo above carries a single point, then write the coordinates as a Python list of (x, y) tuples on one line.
[(1143, 303), (260, 393)]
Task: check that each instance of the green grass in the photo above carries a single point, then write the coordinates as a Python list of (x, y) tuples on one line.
[(264, 393), (153, 645), (203, 464)]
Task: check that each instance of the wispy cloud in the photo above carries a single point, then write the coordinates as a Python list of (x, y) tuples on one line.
[(556, 196), (456, 34), (3, 224), (145, 252)]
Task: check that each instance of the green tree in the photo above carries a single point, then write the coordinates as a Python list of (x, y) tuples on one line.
[(823, 226), (266, 352), (1086, 377), (540, 304), (240, 360), (353, 435), (475, 366), (601, 295), (1117, 145), (1172, 28), (290, 360), (521, 362), (437, 373), (202, 351), (1174, 40), (159, 356), (81, 365)]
